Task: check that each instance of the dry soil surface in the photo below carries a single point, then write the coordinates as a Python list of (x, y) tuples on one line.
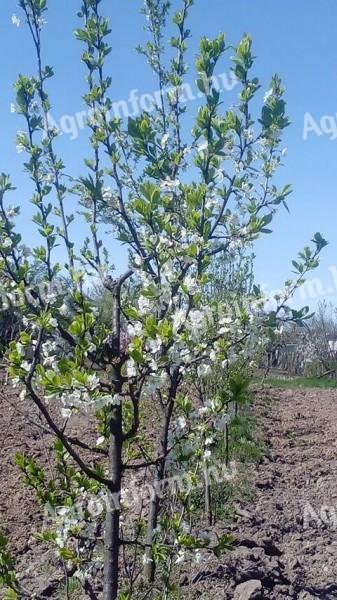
[(286, 540)]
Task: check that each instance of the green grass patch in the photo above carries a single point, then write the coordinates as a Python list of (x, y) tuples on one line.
[(293, 383), (245, 448), (74, 592), (244, 443)]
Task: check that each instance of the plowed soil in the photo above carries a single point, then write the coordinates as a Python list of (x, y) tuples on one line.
[(286, 539)]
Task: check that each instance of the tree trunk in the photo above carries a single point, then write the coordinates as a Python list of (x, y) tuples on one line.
[(208, 496), (227, 444), (150, 567), (111, 540)]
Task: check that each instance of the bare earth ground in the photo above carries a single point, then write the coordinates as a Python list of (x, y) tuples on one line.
[(278, 552), (20, 516)]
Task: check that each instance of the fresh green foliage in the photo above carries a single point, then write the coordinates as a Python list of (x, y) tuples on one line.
[(7, 570)]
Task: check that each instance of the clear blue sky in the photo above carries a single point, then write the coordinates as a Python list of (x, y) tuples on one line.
[(297, 40)]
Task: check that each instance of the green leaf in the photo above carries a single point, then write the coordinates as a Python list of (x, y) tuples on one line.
[(225, 544), (137, 356), (10, 594), (67, 554)]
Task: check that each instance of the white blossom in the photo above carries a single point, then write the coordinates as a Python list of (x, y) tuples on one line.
[(15, 20), (131, 368), (66, 412), (116, 400), (144, 304), (203, 370), (10, 212), (134, 329), (191, 285), (219, 176), (64, 310), (7, 243), (222, 422), (93, 381), (209, 441), (155, 345), (164, 140), (41, 22), (138, 261), (202, 146), (248, 134), (267, 95), (170, 185), (23, 394), (181, 421), (180, 557)]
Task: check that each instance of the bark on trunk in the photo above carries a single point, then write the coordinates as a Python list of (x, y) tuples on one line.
[(150, 567), (111, 541), (208, 496), (227, 445), (112, 524)]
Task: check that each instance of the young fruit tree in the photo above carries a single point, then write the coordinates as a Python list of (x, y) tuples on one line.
[(179, 201)]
